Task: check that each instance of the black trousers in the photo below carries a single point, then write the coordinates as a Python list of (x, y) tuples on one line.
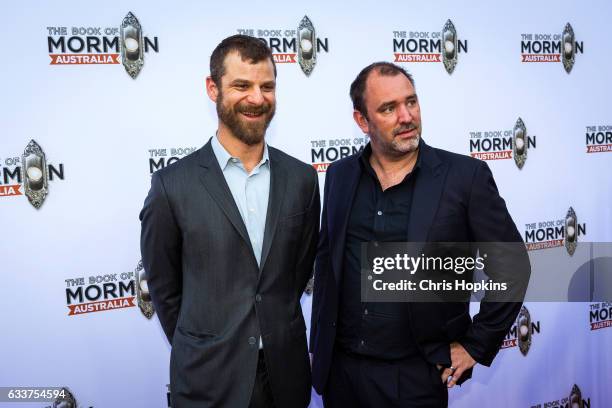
[(363, 382), (262, 393)]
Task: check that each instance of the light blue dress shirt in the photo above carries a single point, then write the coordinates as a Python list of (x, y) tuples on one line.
[(250, 192)]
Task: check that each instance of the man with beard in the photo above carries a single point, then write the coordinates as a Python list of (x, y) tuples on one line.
[(228, 242), (398, 189)]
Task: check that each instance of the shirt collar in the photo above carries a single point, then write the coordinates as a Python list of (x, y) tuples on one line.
[(224, 157)]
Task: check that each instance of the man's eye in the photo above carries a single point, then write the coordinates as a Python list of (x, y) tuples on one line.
[(241, 86), (388, 109)]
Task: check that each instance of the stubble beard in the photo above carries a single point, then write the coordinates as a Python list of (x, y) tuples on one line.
[(397, 147)]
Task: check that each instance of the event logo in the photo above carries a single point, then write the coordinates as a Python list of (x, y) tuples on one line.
[(429, 46), (598, 139), (293, 46), (555, 233), (503, 144), (101, 45), (101, 293), (323, 152), (600, 315), (574, 400), (521, 332), (29, 175), (160, 158), (548, 47)]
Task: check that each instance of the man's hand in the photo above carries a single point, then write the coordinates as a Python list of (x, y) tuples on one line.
[(460, 361)]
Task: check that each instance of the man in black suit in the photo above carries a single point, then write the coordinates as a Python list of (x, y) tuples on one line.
[(398, 189), (228, 242)]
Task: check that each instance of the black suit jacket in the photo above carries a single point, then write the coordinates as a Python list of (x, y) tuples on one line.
[(455, 199), (212, 299)]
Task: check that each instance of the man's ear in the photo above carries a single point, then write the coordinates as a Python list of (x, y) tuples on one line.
[(211, 89), (361, 121)]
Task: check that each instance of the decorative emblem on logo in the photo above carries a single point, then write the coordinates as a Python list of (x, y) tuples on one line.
[(571, 231), (575, 398), (67, 400), (519, 143), (35, 175), (449, 46), (568, 49), (132, 54), (142, 292), (524, 331), (309, 286), (307, 45)]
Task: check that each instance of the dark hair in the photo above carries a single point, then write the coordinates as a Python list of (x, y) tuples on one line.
[(250, 49), (358, 86)]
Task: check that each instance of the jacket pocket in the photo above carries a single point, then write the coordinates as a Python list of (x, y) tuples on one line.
[(196, 334)]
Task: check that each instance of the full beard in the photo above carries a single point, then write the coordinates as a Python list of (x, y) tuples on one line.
[(248, 133)]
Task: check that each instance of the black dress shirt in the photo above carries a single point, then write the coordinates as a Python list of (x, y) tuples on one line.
[(380, 330)]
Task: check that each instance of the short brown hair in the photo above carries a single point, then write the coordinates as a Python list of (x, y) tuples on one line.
[(358, 86), (250, 49)]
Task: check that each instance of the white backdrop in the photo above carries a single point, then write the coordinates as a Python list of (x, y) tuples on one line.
[(99, 130)]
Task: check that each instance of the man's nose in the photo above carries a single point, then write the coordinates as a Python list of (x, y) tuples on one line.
[(255, 96), (403, 114)]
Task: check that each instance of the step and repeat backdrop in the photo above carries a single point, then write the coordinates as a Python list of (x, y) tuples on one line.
[(98, 96)]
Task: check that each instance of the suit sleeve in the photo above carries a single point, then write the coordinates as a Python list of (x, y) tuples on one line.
[(160, 247), (322, 266), (490, 222), (310, 235)]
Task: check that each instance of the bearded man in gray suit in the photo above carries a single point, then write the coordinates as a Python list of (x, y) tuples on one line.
[(228, 241)]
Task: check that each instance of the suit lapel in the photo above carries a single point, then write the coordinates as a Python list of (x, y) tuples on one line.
[(344, 189), (278, 187), (214, 182), (426, 195), (425, 201)]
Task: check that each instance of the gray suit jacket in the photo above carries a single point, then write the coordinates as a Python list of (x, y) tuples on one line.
[(212, 299)]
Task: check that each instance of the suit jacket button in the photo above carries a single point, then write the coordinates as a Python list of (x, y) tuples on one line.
[(258, 297), (252, 340), (333, 324)]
